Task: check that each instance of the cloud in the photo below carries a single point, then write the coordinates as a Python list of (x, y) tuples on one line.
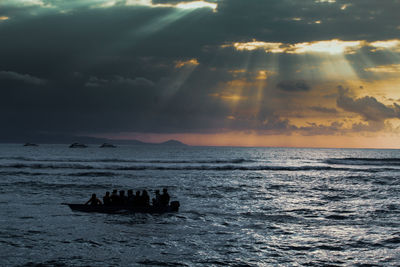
[(324, 110), (293, 86), (333, 128), (368, 107), (154, 66), (26, 3), (387, 44), (26, 78), (268, 47), (119, 80), (370, 126), (95, 82), (188, 63), (174, 3), (392, 68), (332, 47)]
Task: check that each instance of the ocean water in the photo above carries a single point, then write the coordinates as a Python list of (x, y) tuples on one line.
[(239, 206)]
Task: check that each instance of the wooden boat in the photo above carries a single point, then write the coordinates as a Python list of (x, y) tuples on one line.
[(30, 144), (77, 145), (112, 209), (107, 145)]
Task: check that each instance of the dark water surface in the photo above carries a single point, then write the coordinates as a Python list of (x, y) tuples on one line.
[(239, 206)]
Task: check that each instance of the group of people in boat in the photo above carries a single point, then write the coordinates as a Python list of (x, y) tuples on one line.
[(131, 200)]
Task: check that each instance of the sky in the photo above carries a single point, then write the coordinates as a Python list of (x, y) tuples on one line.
[(286, 73)]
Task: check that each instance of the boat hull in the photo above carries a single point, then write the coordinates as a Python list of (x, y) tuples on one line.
[(174, 207)]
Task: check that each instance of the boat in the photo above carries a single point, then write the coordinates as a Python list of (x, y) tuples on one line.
[(78, 145), (123, 209), (107, 145), (30, 144)]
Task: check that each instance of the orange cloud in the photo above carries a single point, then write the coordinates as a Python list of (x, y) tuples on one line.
[(192, 62), (393, 68), (333, 47), (228, 96)]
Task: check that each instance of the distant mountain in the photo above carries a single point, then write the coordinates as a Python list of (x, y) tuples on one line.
[(69, 139), (137, 142), (172, 143)]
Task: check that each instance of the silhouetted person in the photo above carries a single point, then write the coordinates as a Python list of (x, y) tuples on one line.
[(164, 198), (137, 199), (115, 198), (94, 201), (145, 199), (122, 198), (130, 197), (107, 199), (156, 199)]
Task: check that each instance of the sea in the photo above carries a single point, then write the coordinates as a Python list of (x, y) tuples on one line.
[(238, 206)]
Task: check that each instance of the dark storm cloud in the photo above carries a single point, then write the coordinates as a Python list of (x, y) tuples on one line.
[(370, 126), (324, 110), (293, 86), (320, 129), (368, 107), (273, 20), (114, 69), (118, 80), (26, 78)]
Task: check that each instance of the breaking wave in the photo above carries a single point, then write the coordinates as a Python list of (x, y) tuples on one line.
[(364, 161), (115, 160)]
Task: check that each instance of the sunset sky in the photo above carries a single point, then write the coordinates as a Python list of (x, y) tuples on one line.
[(302, 73)]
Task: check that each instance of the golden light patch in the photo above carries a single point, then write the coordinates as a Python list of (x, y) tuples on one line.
[(256, 75), (254, 45), (334, 46), (197, 4), (228, 96), (345, 6), (384, 90), (4, 18), (394, 68), (264, 74), (192, 63), (185, 5), (388, 44), (238, 83), (237, 73)]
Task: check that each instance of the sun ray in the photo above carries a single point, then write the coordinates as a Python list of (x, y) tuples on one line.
[(184, 71)]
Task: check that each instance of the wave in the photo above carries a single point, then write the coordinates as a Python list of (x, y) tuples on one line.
[(74, 174), (51, 186), (116, 160), (76, 166), (364, 161)]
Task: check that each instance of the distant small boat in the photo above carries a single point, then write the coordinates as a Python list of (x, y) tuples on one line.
[(30, 144), (107, 145), (78, 145), (173, 207)]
